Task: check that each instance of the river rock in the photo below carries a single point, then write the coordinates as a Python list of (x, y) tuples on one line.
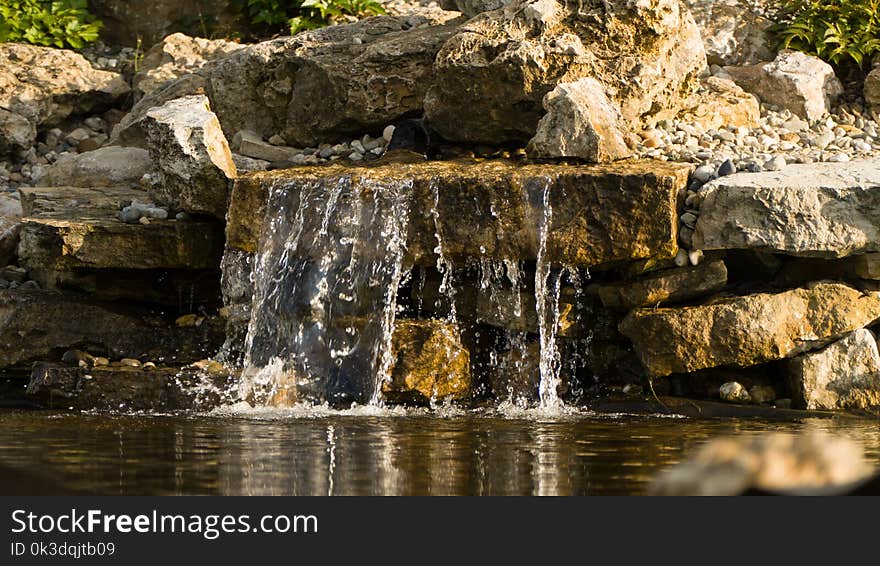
[(176, 55), (825, 210), (580, 122), (493, 74), (429, 363), (193, 157), (774, 462), (749, 330), (104, 167), (872, 89), (733, 31), (844, 375), (798, 82), (10, 226), (673, 285), (41, 86)]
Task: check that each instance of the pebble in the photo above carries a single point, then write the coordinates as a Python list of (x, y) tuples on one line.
[(130, 362), (776, 164), (388, 133), (734, 392), (681, 258), (703, 173), (156, 213), (100, 361), (130, 214), (695, 257), (277, 140), (726, 168)]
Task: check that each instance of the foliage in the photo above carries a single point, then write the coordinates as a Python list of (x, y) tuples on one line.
[(294, 16), (837, 31), (59, 23)]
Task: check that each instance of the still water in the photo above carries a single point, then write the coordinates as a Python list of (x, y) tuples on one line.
[(315, 452)]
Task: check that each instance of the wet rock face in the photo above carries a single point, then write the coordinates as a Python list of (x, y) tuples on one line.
[(749, 330), (826, 210), (40, 87), (492, 75), (844, 375)]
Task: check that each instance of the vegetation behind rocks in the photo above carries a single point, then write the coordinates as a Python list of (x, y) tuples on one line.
[(60, 23)]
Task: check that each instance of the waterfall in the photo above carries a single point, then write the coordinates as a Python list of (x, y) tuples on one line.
[(329, 265), (547, 289)]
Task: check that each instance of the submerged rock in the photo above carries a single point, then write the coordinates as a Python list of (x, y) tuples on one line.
[(745, 331), (844, 375)]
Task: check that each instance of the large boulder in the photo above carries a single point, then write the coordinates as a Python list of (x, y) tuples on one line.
[(321, 85), (735, 32), (825, 210), (798, 82), (10, 226), (195, 164), (580, 122), (745, 331), (175, 56), (104, 167), (41, 86), (844, 375), (492, 75)]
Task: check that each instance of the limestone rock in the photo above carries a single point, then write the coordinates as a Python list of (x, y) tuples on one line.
[(749, 330), (721, 103), (671, 285), (844, 375), (175, 56), (430, 364), (798, 82), (733, 31), (41, 86), (10, 225), (824, 210), (252, 145), (471, 8), (872, 89), (580, 122), (187, 144), (105, 167), (492, 75)]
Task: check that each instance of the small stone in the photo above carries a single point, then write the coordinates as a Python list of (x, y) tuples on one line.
[(78, 135), (703, 173), (681, 258), (277, 140), (776, 164), (144, 220), (357, 146), (156, 213), (388, 133), (130, 214), (181, 216), (88, 145), (695, 257), (734, 392), (75, 357), (839, 158), (326, 153), (100, 361), (688, 218), (823, 140), (726, 168), (355, 156), (130, 362), (95, 123), (149, 366), (188, 320)]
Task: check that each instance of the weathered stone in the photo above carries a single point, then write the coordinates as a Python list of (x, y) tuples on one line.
[(771, 462), (734, 392), (872, 89), (104, 167), (750, 330), (40, 87), (245, 164), (720, 103), (734, 32), (673, 285), (817, 210), (580, 122), (10, 225), (844, 375), (177, 55), (798, 82), (471, 8), (601, 214), (492, 75), (252, 145), (39, 325), (430, 364), (187, 144)]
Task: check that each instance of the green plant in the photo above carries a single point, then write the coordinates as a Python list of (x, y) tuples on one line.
[(60, 23), (293, 16), (834, 30)]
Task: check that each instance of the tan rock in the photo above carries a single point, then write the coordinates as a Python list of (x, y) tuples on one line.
[(665, 286), (721, 103), (745, 331), (734, 32), (105, 167)]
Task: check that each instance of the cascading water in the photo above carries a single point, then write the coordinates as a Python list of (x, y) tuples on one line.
[(329, 266)]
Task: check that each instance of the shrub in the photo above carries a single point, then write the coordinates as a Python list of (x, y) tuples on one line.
[(61, 23), (294, 16), (837, 31)]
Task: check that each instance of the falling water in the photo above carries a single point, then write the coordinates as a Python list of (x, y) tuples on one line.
[(547, 289), (329, 265), (444, 265)]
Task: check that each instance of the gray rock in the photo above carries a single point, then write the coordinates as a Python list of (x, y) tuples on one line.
[(104, 167), (726, 168), (776, 164), (251, 145), (734, 392), (130, 214), (10, 226)]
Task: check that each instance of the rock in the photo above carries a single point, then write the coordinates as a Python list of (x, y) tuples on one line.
[(866, 266), (762, 394), (318, 85), (50, 322), (703, 173), (187, 144), (130, 362), (493, 74), (132, 24), (244, 164), (41, 86), (10, 226), (734, 32), (844, 375), (673, 285), (775, 462), (252, 145), (726, 168), (77, 358), (734, 392), (798, 82), (580, 122), (388, 133), (749, 330), (430, 364), (872, 90), (816, 210), (104, 167), (177, 55), (471, 8), (721, 103), (775, 164)]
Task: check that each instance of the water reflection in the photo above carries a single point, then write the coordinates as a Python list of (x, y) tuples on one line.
[(355, 455)]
